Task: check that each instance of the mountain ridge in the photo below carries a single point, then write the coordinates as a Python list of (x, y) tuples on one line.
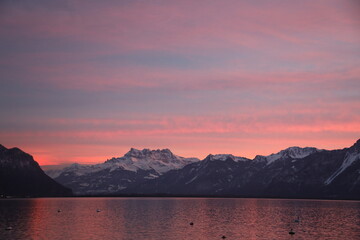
[(294, 172), (118, 173), (300, 175)]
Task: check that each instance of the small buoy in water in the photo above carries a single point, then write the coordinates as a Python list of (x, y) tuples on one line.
[(291, 232), (9, 228), (98, 210), (223, 237), (59, 210), (191, 223)]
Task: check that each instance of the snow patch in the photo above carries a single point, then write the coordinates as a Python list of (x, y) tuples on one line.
[(350, 158), (151, 176), (193, 179)]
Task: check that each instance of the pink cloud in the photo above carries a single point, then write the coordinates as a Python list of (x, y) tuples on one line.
[(285, 73), (287, 32), (191, 136), (182, 23)]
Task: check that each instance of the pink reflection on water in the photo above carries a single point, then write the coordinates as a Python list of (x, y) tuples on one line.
[(169, 218)]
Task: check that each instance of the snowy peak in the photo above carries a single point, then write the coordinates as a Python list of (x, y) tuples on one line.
[(298, 152), (163, 155), (224, 157), (159, 161), (75, 168), (291, 152)]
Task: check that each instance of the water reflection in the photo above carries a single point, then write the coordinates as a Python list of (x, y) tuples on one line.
[(15, 214), (169, 218)]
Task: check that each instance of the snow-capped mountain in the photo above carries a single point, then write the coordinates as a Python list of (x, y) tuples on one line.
[(223, 157), (159, 160), (291, 152), (294, 172), (118, 173)]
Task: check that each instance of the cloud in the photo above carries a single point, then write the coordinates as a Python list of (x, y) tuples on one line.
[(216, 75)]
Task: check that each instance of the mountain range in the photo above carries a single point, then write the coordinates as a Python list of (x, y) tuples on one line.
[(116, 174), (291, 173)]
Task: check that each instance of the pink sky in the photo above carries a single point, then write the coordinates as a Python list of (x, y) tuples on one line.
[(84, 81)]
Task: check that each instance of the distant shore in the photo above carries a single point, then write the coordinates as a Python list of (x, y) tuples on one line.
[(178, 196)]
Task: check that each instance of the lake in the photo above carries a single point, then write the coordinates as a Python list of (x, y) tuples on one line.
[(169, 218)]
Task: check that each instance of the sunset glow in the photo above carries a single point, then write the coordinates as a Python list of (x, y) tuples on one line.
[(84, 81)]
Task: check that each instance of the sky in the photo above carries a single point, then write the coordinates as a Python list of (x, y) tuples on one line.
[(84, 81)]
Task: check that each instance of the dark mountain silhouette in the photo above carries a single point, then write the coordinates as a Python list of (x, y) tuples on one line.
[(21, 176)]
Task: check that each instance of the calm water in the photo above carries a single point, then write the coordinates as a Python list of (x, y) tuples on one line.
[(169, 218)]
